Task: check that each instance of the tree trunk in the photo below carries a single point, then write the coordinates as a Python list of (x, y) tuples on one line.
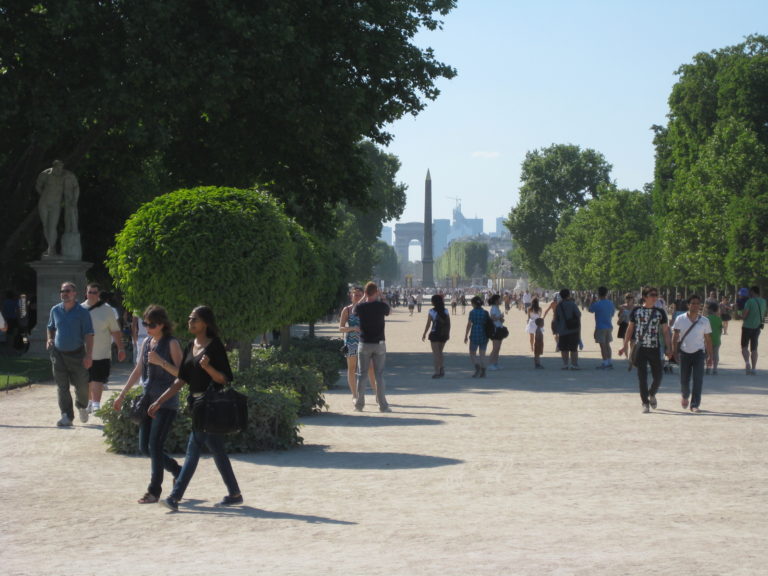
[(311, 329), (244, 355), (285, 338)]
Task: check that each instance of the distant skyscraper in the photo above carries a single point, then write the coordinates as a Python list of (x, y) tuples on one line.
[(441, 227), (501, 230), (386, 234)]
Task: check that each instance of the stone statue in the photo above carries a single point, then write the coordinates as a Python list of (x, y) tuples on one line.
[(54, 185)]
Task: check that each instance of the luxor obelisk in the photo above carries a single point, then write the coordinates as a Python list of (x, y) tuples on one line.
[(428, 278)]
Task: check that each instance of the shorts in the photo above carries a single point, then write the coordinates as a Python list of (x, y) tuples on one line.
[(99, 371), (603, 336), (474, 346), (749, 337), (622, 330), (351, 350), (569, 342)]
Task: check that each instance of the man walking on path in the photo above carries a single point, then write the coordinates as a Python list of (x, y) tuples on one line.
[(649, 324), (603, 309), (105, 331), (753, 315), (70, 341), (691, 337), (371, 311)]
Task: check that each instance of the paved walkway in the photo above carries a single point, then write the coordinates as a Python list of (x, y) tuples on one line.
[(523, 472)]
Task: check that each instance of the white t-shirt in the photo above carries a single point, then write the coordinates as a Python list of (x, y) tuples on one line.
[(695, 339), (104, 319)]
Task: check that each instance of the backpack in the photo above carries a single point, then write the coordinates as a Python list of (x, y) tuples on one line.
[(442, 327)]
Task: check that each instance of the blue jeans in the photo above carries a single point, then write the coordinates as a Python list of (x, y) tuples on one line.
[(365, 354), (152, 435), (692, 365), (215, 444)]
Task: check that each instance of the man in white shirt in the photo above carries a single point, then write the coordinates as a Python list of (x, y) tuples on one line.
[(106, 330), (691, 341)]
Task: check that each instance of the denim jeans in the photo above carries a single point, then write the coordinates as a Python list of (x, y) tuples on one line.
[(68, 370), (215, 444), (152, 435), (692, 365), (365, 354), (646, 356)]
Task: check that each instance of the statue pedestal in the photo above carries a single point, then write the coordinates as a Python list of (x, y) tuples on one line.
[(71, 248), (51, 272)]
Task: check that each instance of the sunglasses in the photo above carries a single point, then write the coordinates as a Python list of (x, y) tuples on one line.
[(65, 290), (93, 291), (149, 324)]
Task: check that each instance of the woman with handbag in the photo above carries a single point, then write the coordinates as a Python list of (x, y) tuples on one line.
[(499, 333), (349, 325), (204, 363), (157, 366)]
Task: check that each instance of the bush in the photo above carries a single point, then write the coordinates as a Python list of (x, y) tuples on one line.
[(272, 422), (305, 380)]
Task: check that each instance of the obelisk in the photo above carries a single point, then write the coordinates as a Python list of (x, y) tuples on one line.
[(427, 278)]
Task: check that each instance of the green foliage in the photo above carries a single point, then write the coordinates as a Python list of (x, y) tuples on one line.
[(272, 421), (464, 260), (603, 243), (218, 246), (555, 180), (712, 165), (139, 98), (385, 258), (19, 370)]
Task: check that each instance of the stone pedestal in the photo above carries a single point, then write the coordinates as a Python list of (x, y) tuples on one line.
[(51, 272), (71, 248)]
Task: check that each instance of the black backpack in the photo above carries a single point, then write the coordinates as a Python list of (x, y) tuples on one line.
[(490, 327), (442, 326)]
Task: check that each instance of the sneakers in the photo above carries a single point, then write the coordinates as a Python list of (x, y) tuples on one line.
[(653, 402), (482, 372), (684, 403), (90, 407), (147, 499), (385, 409), (229, 501), (695, 410), (646, 408), (575, 367), (477, 371), (172, 504), (64, 421), (83, 413), (492, 367)]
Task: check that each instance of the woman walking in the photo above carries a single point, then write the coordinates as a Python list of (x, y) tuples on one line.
[(349, 325), (439, 328), (204, 363), (531, 328), (157, 367), (476, 335), (499, 333)]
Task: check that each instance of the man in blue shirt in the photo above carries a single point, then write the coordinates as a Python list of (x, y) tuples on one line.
[(603, 309), (70, 342)]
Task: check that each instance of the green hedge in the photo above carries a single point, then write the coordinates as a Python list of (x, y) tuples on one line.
[(272, 422)]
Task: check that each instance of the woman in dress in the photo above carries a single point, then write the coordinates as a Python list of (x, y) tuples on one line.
[(476, 336), (531, 328), (204, 363), (349, 325), (439, 327), (157, 367), (498, 321)]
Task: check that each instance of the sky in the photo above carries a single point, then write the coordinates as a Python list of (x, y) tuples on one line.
[(594, 73)]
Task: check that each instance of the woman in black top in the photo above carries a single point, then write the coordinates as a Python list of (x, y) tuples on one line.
[(205, 361)]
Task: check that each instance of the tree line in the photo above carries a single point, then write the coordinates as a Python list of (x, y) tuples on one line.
[(702, 220)]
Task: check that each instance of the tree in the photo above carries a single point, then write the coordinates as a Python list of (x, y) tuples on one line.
[(386, 266), (711, 167), (234, 250), (463, 260), (163, 95), (604, 242), (555, 180)]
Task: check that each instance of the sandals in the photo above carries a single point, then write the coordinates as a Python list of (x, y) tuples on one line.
[(148, 499)]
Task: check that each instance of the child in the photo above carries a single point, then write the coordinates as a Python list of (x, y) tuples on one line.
[(717, 330), (538, 342)]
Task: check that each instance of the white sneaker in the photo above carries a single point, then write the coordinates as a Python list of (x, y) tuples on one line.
[(90, 407), (646, 409), (64, 421), (83, 413), (492, 367)]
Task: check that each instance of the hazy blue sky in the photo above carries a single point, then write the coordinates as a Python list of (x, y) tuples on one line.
[(595, 73)]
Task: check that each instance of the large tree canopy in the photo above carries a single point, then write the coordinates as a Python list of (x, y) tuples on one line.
[(556, 180), (143, 97), (711, 188)]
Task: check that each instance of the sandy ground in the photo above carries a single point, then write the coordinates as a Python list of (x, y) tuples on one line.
[(523, 472)]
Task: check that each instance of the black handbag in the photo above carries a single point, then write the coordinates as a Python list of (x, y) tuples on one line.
[(137, 411), (220, 411)]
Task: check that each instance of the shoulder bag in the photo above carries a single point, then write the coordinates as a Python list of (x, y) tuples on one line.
[(220, 411)]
